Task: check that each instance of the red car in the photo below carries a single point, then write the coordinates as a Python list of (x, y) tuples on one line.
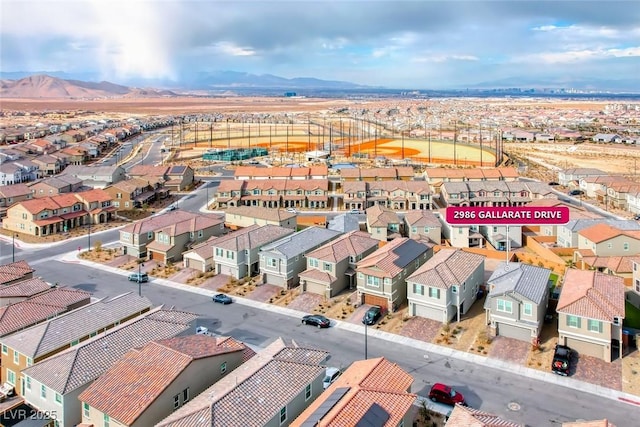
[(444, 394)]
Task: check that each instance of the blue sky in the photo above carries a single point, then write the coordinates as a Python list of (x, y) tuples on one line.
[(397, 44)]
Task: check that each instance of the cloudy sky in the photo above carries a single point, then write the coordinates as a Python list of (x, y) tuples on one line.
[(397, 44)]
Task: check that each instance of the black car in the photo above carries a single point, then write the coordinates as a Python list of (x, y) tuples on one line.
[(562, 356), (316, 320), (372, 315), (576, 193), (553, 183), (222, 299)]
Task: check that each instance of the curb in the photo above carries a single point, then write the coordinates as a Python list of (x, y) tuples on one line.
[(597, 390)]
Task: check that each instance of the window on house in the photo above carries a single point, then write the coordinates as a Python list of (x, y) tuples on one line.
[(85, 409), (454, 289), (414, 229), (176, 401), (106, 419), (230, 255), (283, 415), (418, 289), (573, 321), (637, 285), (185, 395), (594, 326), (28, 382), (609, 245), (625, 246), (527, 309), (434, 293), (373, 281), (11, 377), (360, 276), (150, 235), (5, 349), (326, 266), (505, 306), (307, 392), (16, 357), (43, 391), (75, 342), (59, 398), (272, 262), (223, 367)]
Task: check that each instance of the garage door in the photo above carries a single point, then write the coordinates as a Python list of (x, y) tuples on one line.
[(157, 256), (316, 288), (428, 312), (194, 263), (376, 300), (515, 332), (584, 348), (227, 270)]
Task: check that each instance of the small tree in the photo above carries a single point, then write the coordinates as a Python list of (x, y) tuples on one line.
[(97, 246)]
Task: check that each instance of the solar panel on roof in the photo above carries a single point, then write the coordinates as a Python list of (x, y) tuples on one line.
[(326, 406), (178, 169), (375, 416)]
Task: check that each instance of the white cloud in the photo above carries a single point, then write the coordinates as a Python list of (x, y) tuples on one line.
[(229, 48), (439, 58), (573, 56)]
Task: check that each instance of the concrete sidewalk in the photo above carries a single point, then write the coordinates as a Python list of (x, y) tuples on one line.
[(428, 348)]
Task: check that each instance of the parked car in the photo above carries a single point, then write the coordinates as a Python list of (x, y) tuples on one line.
[(139, 277), (316, 320), (445, 394), (372, 315), (553, 183), (637, 217), (562, 356), (330, 376), (576, 193), (172, 207), (292, 210), (222, 299), (354, 211)]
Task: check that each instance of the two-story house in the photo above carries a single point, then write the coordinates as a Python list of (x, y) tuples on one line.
[(633, 292), (365, 385), (11, 194), (135, 236), (605, 240), (590, 313), (383, 223), (446, 285), (171, 241), (97, 176), (131, 193), (175, 178), (381, 276), (517, 300), (572, 176), (52, 186), (331, 268), (182, 367), (460, 236), (282, 261), (244, 216), (502, 237), (271, 389), (36, 343), (423, 224), (23, 290), (54, 384), (237, 254)]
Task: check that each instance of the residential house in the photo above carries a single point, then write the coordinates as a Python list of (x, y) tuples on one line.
[(460, 236), (446, 285), (492, 193), (21, 291), (12, 173), (517, 300), (596, 186), (283, 260), (344, 223), (75, 155), (437, 176), (617, 192), (502, 237), (39, 308), (633, 293), (237, 254), (245, 173), (603, 239), (52, 186), (97, 176), (332, 267), (48, 164), (572, 176), (11, 194), (273, 193), (172, 240), (36, 343), (244, 216), (175, 178), (135, 237), (590, 313), (368, 389), (132, 193), (464, 416), (50, 215), (567, 234), (403, 173), (518, 136), (423, 224), (248, 397), (183, 367), (575, 213), (383, 223), (15, 272), (606, 137), (54, 384), (382, 275)]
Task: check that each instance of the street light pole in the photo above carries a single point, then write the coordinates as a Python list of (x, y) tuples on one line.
[(140, 265), (365, 341), (89, 235), (206, 185), (13, 249)]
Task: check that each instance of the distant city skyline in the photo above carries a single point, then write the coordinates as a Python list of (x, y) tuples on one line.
[(394, 44)]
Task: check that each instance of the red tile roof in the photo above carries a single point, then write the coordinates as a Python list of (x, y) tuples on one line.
[(593, 295)]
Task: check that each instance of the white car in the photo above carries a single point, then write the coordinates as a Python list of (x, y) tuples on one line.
[(292, 210), (330, 376)]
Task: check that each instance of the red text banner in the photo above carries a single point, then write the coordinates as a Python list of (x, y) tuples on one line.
[(507, 215)]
